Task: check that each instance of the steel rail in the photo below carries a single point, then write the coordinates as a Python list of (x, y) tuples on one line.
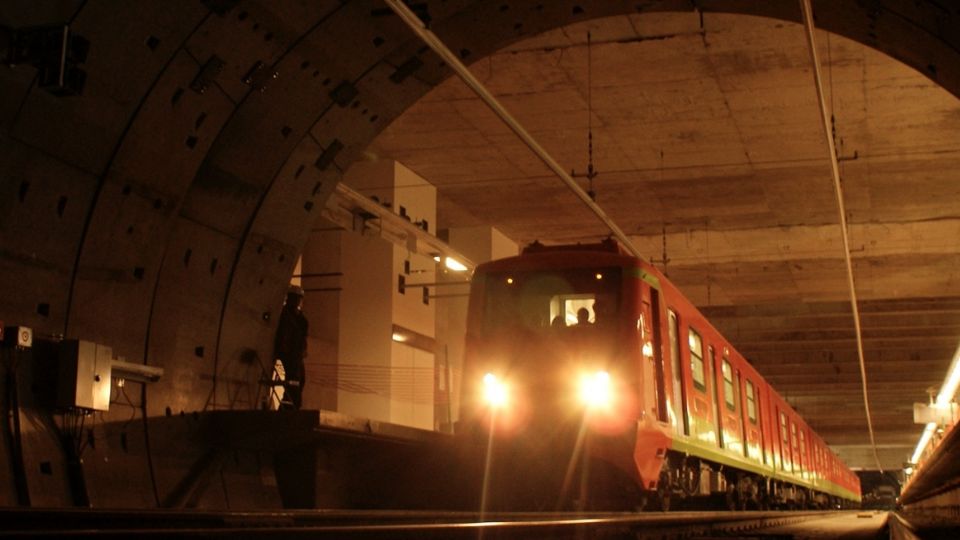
[(451, 59), (841, 210), (385, 524)]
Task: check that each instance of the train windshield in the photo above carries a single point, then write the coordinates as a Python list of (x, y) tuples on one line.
[(552, 299)]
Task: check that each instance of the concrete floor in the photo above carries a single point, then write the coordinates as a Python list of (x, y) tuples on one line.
[(847, 525)]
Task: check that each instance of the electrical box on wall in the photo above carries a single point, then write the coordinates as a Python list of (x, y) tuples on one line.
[(17, 336), (85, 370)]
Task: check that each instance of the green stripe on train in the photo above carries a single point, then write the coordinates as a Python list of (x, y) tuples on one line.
[(711, 453), (651, 279)]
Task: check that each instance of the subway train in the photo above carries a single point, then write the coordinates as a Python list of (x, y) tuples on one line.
[(591, 382)]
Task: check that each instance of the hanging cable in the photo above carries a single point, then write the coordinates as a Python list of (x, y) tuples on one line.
[(451, 59), (838, 191), (590, 171)]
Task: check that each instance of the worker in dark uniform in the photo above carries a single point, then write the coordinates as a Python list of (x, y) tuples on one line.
[(290, 347)]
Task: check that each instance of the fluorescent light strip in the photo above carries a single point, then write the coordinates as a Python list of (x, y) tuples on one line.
[(944, 398)]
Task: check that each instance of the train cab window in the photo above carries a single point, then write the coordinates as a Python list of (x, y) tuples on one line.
[(751, 403), (696, 361), (728, 387), (567, 308), (545, 299)]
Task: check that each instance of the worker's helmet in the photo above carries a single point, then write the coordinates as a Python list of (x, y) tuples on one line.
[(295, 290)]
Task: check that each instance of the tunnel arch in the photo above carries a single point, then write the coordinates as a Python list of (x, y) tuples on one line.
[(162, 211)]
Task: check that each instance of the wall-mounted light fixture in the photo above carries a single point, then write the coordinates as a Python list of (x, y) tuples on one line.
[(451, 263), (943, 400)]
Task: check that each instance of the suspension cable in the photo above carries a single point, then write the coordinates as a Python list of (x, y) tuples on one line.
[(841, 209), (451, 59)]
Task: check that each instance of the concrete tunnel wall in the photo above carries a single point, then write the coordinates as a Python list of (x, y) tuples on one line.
[(161, 211)]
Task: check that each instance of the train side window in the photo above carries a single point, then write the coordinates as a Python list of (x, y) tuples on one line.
[(696, 361), (751, 403), (728, 386)]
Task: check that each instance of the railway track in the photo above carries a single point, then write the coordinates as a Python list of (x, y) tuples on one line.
[(84, 523)]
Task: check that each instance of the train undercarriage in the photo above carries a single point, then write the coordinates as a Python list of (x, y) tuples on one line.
[(691, 483)]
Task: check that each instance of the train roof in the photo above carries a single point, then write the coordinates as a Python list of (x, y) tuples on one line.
[(608, 245), (605, 253)]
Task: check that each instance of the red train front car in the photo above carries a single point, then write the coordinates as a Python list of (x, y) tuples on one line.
[(589, 381)]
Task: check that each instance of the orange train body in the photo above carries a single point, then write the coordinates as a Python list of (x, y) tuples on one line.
[(600, 364)]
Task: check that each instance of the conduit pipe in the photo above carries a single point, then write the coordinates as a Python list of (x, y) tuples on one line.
[(841, 209), (451, 59)]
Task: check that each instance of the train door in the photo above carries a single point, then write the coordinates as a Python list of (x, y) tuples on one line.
[(731, 420), (753, 429), (794, 448), (715, 393), (651, 312), (679, 399), (744, 422), (764, 428), (785, 459), (804, 455)]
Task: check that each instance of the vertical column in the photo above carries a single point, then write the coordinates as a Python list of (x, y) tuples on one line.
[(480, 244), (371, 311), (414, 351)]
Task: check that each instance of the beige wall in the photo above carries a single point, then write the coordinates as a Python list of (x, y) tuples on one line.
[(418, 199), (365, 327), (354, 366), (479, 244)]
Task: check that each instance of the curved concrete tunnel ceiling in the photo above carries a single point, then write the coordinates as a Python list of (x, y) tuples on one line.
[(710, 152), (161, 210)]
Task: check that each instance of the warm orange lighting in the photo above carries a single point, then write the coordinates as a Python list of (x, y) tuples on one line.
[(454, 265), (596, 390), (495, 392)]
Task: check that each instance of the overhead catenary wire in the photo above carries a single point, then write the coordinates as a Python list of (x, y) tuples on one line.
[(451, 60), (825, 115), (590, 172)]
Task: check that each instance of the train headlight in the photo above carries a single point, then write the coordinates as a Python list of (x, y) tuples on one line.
[(596, 391), (496, 393)]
